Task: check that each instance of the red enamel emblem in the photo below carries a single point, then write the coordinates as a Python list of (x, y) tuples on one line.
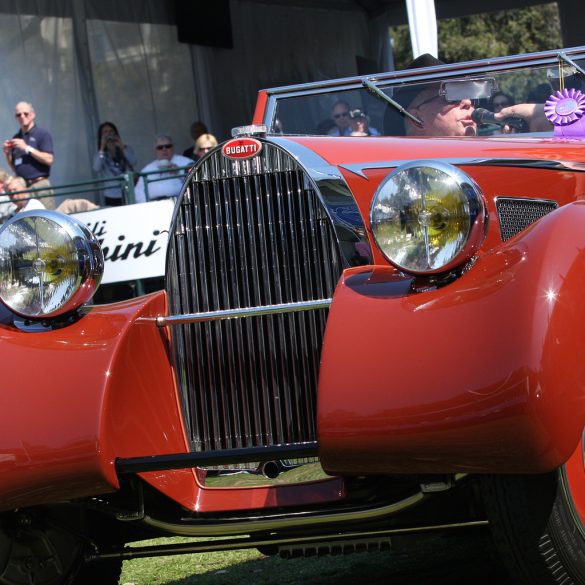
[(241, 148)]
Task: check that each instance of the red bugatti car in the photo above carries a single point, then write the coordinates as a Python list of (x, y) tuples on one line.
[(370, 327)]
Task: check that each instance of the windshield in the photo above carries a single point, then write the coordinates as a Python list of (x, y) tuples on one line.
[(441, 104)]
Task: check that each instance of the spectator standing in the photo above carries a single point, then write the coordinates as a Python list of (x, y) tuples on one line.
[(113, 159), (198, 128), (169, 180), (30, 153)]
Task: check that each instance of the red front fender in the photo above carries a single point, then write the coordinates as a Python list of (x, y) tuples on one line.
[(486, 374), (74, 399)]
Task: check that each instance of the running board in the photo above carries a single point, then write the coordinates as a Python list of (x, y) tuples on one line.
[(359, 540)]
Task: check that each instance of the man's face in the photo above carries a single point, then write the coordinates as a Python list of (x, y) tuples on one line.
[(164, 149), (340, 114), (441, 118), (24, 115), (19, 199)]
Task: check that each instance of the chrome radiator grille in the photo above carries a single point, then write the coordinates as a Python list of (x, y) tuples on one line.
[(516, 214), (250, 233)]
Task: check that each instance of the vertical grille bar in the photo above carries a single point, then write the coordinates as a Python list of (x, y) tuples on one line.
[(250, 233)]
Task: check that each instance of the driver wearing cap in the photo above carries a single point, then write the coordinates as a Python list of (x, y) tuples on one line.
[(438, 117)]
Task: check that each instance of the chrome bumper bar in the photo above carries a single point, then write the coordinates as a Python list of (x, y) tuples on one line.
[(244, 312)]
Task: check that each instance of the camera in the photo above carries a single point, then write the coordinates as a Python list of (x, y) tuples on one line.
[(110, 138)]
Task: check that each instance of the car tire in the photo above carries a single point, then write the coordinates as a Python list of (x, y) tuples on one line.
[(538, 523)]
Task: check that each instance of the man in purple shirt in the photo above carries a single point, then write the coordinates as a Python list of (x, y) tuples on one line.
[(30, 153)]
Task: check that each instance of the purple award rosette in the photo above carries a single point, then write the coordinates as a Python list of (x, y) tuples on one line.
[(565, 109)]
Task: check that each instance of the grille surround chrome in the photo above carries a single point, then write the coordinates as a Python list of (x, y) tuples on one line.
[(251, 382)]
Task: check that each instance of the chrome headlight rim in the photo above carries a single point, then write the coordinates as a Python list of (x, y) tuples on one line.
[(478, 225), (90, 263)]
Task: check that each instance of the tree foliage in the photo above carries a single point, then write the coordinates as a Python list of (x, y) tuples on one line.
[(492, 34)]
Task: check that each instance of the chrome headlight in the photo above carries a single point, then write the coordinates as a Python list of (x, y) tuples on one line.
[(428, 217), (50, 264)]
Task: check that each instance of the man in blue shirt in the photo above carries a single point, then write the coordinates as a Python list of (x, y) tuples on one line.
[(30, 153), (340, 115)]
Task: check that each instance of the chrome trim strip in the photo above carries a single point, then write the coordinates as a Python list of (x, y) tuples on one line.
[(336, 197), (235, 313), (300, 519), (498, 198), (546, 164)]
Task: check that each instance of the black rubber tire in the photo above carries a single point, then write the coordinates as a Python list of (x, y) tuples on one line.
[(535, 528)]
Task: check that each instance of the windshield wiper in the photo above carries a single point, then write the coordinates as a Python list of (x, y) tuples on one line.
[(563, 57), (380, 94)]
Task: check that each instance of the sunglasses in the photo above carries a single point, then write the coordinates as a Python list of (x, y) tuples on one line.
[(164, 146), (22, 115), (341, 115), (501, 104), (432, 99)]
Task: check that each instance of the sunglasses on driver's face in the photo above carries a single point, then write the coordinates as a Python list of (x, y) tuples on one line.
[(438, 97)]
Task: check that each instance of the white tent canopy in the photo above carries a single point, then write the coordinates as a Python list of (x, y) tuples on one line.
[(81, 63)]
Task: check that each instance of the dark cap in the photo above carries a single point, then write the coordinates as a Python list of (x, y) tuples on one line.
[(393, 121), (425, 60), (404, 96), (356, 113)]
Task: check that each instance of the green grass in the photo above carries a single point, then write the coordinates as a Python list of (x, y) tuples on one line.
[(453, 560)]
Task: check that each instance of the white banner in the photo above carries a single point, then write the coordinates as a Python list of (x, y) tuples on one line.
[(133, 238)]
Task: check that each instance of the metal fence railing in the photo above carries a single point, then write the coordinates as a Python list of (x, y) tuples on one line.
[(95, 189)]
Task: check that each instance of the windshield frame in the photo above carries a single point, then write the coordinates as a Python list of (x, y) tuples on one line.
[(396, 79)]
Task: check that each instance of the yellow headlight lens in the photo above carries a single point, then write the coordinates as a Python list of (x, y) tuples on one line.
[(50, 264), (428, 217)]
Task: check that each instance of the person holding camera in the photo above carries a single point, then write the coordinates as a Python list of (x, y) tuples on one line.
[(30, 153), (113, 159)]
